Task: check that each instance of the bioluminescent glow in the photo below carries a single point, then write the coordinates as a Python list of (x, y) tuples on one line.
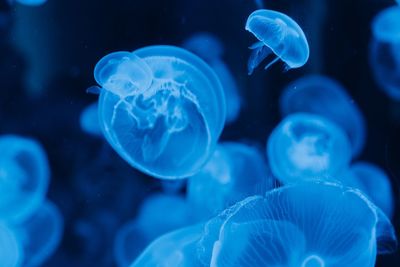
[(11, 252), (89, 120)]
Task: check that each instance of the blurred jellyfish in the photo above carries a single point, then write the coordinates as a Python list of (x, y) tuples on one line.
[(305, 224), (41, 234), (323, 96), (385, 51), (161, 108), (178, 249), (11, 252), (89, 120), (307, 146), (29, 2), (24, 177), (159, 214), (374, 182), (210, 48), (234, 172), (279, 36)]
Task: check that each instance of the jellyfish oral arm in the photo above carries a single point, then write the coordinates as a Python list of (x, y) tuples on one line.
[(258, 54)]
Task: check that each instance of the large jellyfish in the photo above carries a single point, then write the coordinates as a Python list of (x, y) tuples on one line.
[(324, 96), (307, 224), (210, 48), (89, 120), (234, 172), (161, 108), (159, 214), (278, 35), (24, 177), (385, 51), (11, 252), (306, 146)]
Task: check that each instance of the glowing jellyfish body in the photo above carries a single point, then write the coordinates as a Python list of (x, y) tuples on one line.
[(307, 224), (385, 51), (178, 249), (11, 252), (307, 146), (89, 120), (234, 172), (158, 215), (323, 96), (278, 35), (31, 2), (24, 177), (161, 108), (208, 47)]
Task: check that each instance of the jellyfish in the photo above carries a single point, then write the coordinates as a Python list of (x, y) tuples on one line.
[(279, 36), (159, 214), (89, 120), (11, 252), (385, 51), (161, 108), (210, 48), (304, 224), (234, 172), (305, 146), (24, 177), (324, 96), (177, 248)]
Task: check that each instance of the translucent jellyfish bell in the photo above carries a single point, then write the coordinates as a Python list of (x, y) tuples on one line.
[(11, 252), (385, 25), (324, 96), (306, 224), (24, 177), (205, 45), (278, 34), (161, 108), (306, 146), (89, 120)]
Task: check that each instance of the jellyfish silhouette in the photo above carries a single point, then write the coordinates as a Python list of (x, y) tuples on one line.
[(306, 146), (161, 108), (321, 95), (385, 51), (234, 172), (278, 35), (24, 177), (89, 120), (305, 224), (11, 252)]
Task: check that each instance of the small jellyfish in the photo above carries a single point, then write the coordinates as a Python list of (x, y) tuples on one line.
[(161, 108), (24, 177), (89, 120), (305, 224), (324, 96), (11, 252), (307, 146), (385, 51), (178, 249), (205, 45), (278, 35), (234, 172)]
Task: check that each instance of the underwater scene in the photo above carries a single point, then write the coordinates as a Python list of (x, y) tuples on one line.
[(199, 133)]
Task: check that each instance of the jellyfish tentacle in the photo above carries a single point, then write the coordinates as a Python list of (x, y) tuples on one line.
[(258, 54), (272, 62)]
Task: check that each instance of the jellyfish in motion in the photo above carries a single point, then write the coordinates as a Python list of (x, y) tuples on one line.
[(324, 96), (306, 146), (159, 214), (385, 51), (89, 120), (24, 177), (279, 36), (305, 224), (11, 252), (234, 172), (161, 108)]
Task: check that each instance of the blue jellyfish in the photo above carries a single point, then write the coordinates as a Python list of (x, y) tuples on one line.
[(306, 146), (234, 172), (89, 120), (24, 177), (374, 182), (31, 2), (278, 34), (385, 51), (161, 108), (210, 48), (324, 96), (159, 214), (305, 224), (178, 249), (41, 234), (11, 252)]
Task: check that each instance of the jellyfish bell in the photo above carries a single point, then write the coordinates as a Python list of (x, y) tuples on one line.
[(278, 35), (385, 25), (11, 251)]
